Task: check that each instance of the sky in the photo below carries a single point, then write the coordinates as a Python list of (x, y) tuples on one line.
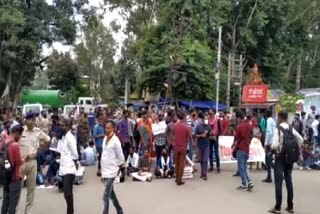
[(109, 17)]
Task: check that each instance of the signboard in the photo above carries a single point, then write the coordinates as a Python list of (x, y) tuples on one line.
[(257, 153), (159, 128), (254, 93)]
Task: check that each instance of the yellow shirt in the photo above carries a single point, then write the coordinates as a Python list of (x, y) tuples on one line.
[(30, 141)]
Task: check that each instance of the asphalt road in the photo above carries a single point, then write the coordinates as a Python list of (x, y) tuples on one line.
[(217, 195)]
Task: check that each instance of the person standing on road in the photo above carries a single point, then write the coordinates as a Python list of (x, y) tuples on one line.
[(111, 161), (202, 132), (98, 135), (68, 162), (12, 187), (281, 168), (29, 145), (271, 126), (123, 133), (181, 136), (242, 143)]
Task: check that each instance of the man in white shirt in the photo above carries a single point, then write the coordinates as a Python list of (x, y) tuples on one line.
[(68, 162), (88, 155), (132, 162), (315, 131), (310, 118), (281, 168), (111, 161)]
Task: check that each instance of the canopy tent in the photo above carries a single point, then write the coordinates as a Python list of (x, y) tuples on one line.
[(201, 104)]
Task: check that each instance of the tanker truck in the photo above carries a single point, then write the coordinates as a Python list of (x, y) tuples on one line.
[(36, 100)]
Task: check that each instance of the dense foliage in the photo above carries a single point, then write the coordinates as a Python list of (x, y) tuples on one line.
[(170, 43)]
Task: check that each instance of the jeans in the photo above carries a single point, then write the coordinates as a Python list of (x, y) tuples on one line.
[(214, 145), (99, 151), (159, 151), (68, 181), (52, 170), (125, 148), (11, 194), (242, 159), (190, 151), (203, 156), (110, 194), (282, 170), (268, 161)]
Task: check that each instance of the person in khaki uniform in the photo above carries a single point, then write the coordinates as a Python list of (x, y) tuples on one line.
[(29, 144)]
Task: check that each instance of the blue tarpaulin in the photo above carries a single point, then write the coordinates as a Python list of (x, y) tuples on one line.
[(201, 104)]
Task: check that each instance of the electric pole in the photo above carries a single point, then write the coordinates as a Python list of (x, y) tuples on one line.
[(218, 69)]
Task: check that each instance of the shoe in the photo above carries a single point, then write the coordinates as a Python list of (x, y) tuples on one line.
[(289, 210), (149, 179), (243, 188), (218, 170), (235, 175), (99, 174), (273, 210), (250, 186), (205, 178), (211, 169), (267, 180), (180, 183)]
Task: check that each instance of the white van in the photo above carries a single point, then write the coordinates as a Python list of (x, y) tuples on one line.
[(35, 108), (86, 103), (67, 109)]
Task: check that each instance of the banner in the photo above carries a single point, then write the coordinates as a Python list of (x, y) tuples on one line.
[(254, 93), (159, 128), (257, 153)]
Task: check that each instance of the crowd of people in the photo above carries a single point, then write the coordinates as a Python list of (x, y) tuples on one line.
[(124, 145)]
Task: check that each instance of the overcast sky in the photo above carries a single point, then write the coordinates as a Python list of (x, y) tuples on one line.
[(109, 17)]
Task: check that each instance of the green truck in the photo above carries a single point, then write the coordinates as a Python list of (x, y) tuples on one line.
[(48, 98)]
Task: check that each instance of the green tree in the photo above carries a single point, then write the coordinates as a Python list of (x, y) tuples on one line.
[(63, 72), (95, 55), (24, 29)]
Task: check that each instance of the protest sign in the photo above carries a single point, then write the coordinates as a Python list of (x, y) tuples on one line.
[(257, 153), (159, 128)]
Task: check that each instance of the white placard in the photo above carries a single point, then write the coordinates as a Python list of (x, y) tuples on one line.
[(159, 128), (256, 153)]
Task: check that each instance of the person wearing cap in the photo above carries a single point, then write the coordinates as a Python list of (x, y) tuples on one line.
[(29, 144)]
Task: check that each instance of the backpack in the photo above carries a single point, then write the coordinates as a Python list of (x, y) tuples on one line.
[(6, 169), (290, 151)]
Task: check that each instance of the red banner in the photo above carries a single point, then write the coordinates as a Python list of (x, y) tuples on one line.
[(254, 93)]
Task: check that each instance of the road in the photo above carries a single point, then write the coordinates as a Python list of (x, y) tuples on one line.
[(217, 195)]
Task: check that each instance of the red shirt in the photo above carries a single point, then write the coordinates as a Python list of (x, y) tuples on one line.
[(242, 136), (225, 126), (15, 160), (181, 135)]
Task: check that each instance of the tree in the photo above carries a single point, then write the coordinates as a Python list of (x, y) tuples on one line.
[(95, 55), (21, 41), (63, 72)]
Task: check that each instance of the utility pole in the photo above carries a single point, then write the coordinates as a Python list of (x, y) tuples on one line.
[(218, 69), (229, 81), (126, 93), (240, 79), (298, 78)]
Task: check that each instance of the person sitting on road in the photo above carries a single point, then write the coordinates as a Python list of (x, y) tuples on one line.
[(89, 155), (144, 166), (132, 162), (164, 166)]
